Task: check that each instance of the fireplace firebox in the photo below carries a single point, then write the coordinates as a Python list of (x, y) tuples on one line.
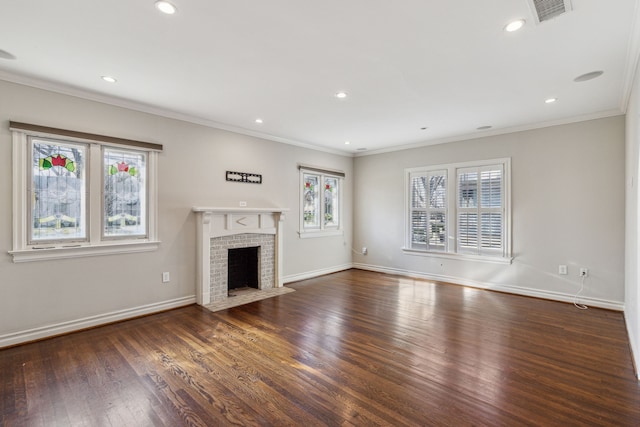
[(243, 268)]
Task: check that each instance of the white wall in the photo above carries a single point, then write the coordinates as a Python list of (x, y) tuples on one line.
[(191, 173), (632, 251), (567, 205)]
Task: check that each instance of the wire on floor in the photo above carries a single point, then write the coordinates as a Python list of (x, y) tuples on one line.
[(575, 298)]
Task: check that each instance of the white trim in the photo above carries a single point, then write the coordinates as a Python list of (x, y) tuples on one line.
[(458, 256), (152, 194), (632, 59), (516, 290), (19, 188), (161, 112), (71, 251), (320, 233), (494, 132), (158, 111), (239, 210), (316, 273), (91, 321), (635, 358)]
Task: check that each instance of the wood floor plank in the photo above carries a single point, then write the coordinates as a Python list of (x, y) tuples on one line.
[(353, 348)]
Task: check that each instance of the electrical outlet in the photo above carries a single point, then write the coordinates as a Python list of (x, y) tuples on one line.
[(364, 250), (243, 204), (166, 277), (584, 272), (562, 269)]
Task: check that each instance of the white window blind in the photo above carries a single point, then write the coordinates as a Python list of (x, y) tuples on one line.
[(480, 210), (460, 209), (428, 210)]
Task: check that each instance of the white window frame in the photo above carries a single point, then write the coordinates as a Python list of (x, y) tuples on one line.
[(427, 209), (321, 230), (452, 251), (146, 156), (95, 244)]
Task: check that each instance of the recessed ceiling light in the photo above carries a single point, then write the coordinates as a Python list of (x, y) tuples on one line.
[(514, 25), (259, 121), (588, 76), (166, 7), (6, 55), (550, 100), (109, 79), (484, 127), (347, 142), (341, 95), (361, 149)]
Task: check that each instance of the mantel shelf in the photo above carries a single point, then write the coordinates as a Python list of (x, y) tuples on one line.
[(243, 209)]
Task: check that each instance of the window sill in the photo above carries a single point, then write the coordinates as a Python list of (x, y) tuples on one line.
[(461, 257), (60, 252), (319, 233)]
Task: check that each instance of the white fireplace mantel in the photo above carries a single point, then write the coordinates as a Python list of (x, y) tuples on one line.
[(215, 222)]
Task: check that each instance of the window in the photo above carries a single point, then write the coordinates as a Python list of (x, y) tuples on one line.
[(460, 209), (78, 194), (428, 210), (320, 202), (124, 204), (57, 195)]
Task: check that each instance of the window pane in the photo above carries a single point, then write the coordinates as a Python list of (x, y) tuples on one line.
[(419, 192), (491, 189), (491, 230), (437, 191), (311, 201), (419, 228), (58, 191), (125, 210), (331, 202), (436, 230), (468, 190), (468, 230)]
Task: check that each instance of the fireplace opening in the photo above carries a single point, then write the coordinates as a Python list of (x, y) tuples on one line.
[(243, 268)]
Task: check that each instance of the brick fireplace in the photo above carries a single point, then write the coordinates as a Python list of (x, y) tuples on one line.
[(222, 229)]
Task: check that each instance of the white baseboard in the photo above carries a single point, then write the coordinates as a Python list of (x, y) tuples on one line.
[(316, 273), (88, 322), (633, 344), (517, 290)]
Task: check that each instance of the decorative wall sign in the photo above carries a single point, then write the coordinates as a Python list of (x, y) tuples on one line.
[(251, 178)]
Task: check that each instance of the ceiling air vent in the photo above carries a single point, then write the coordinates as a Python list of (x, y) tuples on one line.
[(543, 10)]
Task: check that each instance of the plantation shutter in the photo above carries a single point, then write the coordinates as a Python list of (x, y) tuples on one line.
[(480, 199), (428, 210)]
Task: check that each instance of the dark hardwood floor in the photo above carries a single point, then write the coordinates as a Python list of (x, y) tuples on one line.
[(349, 349)]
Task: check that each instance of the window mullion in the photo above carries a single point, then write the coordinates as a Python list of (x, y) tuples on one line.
[(322, 203), (479, 210), (94, 187), (452, 213)]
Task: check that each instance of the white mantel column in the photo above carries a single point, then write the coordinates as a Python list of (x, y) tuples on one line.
[(203, 254)]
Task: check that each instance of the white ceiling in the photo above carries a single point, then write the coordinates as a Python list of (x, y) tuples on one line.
[(406, 64)]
